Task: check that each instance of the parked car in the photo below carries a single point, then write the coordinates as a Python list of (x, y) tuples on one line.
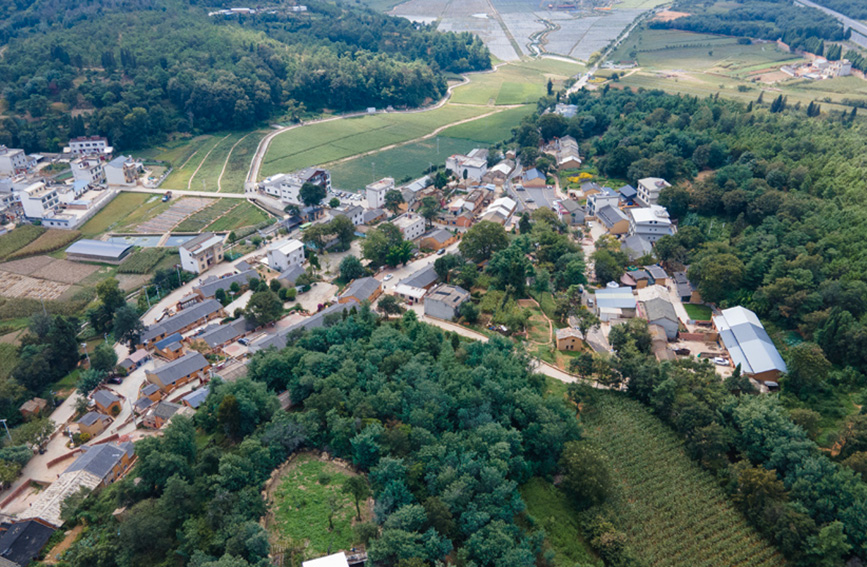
[(115, 380), (720, 361), (387, 277), (441, 251)]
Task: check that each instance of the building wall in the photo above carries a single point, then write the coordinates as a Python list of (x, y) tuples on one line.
[(108, 409), (568, 343), (201, 261), (92, 430), (670, 327), (414, 229), (620, 227), (438, 309), (282, 262), (120, 176)]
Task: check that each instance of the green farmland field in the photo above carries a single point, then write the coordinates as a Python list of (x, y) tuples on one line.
[(516, 83), (329, 141), (673, 512), (243, 214), (491, 129)]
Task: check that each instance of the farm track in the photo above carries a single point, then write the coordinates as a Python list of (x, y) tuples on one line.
[(204, 159), (225, 163)]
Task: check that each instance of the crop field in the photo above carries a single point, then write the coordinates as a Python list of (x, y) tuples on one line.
[(18, 238), (239, 163), (301, 507), (202, 218), (171, 216), (490, 129), (49, 241), (515, 83), (142, 261), (244, 214), (325, 142), (182, 173), (674, 513), (126, 210)]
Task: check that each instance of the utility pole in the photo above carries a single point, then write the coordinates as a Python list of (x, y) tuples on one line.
[(84, 346), (6, 427)]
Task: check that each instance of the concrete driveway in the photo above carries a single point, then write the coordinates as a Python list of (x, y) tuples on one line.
[(409, 269)]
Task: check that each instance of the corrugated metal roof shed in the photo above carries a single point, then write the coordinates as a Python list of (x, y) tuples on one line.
[(109, 250)]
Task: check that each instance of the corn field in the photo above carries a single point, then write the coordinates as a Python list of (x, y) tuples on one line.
[(673, 511)]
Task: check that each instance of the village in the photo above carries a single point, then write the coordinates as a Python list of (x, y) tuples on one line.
[(199, 331)]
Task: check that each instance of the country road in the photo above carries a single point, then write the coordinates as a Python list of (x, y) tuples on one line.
[(859, 30)]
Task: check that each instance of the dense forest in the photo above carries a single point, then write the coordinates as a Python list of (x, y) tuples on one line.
[(68, 72), (764, 19), (445, 429), (852, 8)]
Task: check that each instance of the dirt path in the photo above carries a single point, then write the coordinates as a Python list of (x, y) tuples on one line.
[(57, 550), (225, 163), (204, 159)]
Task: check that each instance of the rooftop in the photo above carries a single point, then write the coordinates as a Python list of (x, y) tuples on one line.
[(196, 397), (183, 366), (100, 460), (210, 285), (182, 319), (335, 560), (287, 246), (169, 340), (652, 214), (104, 397), (361, 289), (747, 341), (383, 184), (290, 275), (616, 297), (567, 332), (422, 278), (449, 294), (203, 242), (91, 418), (165, 410), (108, 250), (23, 541), (609, 216)]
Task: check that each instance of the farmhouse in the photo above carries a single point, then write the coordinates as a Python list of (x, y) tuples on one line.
[(195, 398), (438, 239), (134, 360), (749, 345), (413, 288), (628, 193), (685, 290), (568, 339), (499, 173), (649, 188), (183, 321), (444, 302), (12, 161), (567, 153), (106, 401), (410, 225), (202, 252), (656, 307), (38, 200), (93, 423), (376, 192), (613, 220), (534, 178), (89, 170), (285, 253), (570, 212), (606, 196), (170, 347), (651, 223), (335, 560), (372, 216), (614, 302), (178, 372), (88, 146), (361, 290), (471, 166), (218, 336), (209, 286), (352, 212), (97, 466), (121, 171), (288, 277), (22, 542), (32, 407), (636, 246), (160, 414)]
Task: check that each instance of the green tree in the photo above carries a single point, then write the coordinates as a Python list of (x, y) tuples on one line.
[(393, 200), (264, 308), (127, 326), (89, 379), (400, 253), (807, 370), (429, 209), (482, 240), (389, 305), (334, 202), (469, 311), (311, 194), (351, 268), (586, 476), (33, 433), (103, 358), (357, 487)]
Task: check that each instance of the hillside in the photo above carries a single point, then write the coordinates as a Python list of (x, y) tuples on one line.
[(175, 68)]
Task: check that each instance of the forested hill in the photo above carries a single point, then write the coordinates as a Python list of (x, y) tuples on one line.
[(135, 70)]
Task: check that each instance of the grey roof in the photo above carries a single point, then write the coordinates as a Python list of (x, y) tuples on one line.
[(747, 341), (628, 192), (422, 278), (196, 397), (182, 319), (291, 274), (361, 289), (452, 295), (194, 244), (278, 340), (683, 285), (217, 335), (639, 275), (372, 214), (636, 246), (143, 403), (176, 345), (119, 161), (243, 266), (659, 308), (149, 389), (571, 205), (104, 397), (23, 541), (211, 284), (91, 417), (349, 211), (615, 298), (108, 250), (609, 216), (99, 460), (439, 234), (168, 341), (165, 410), (183, 366), (656, 272)]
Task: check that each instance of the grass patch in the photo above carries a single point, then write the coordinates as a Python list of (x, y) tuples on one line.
[(49, 241), (18, 238), (302, 506), (491, 129), (68, 381), (698, 312), (8, 359), (673, 512), (550, 510)]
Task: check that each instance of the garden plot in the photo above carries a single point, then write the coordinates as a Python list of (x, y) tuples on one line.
[(64, 271), (18, 286), (167, 220), (26, 266)]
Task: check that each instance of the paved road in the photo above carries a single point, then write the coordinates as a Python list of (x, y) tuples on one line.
[(858, 28), (184, 193)]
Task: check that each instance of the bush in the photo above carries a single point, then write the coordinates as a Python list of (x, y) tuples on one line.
[(142, 261)]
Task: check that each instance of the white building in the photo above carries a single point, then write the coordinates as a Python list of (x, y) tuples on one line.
[(89, 170), (12, 160), (500, 210), (649, 188), (287, 186), (284, 254), (376, 192), (39, 200), (88, 146), (410, 225), (650, 223), (352, 212), (202, 252), (604, 198), (471, 166), (122, 170)]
